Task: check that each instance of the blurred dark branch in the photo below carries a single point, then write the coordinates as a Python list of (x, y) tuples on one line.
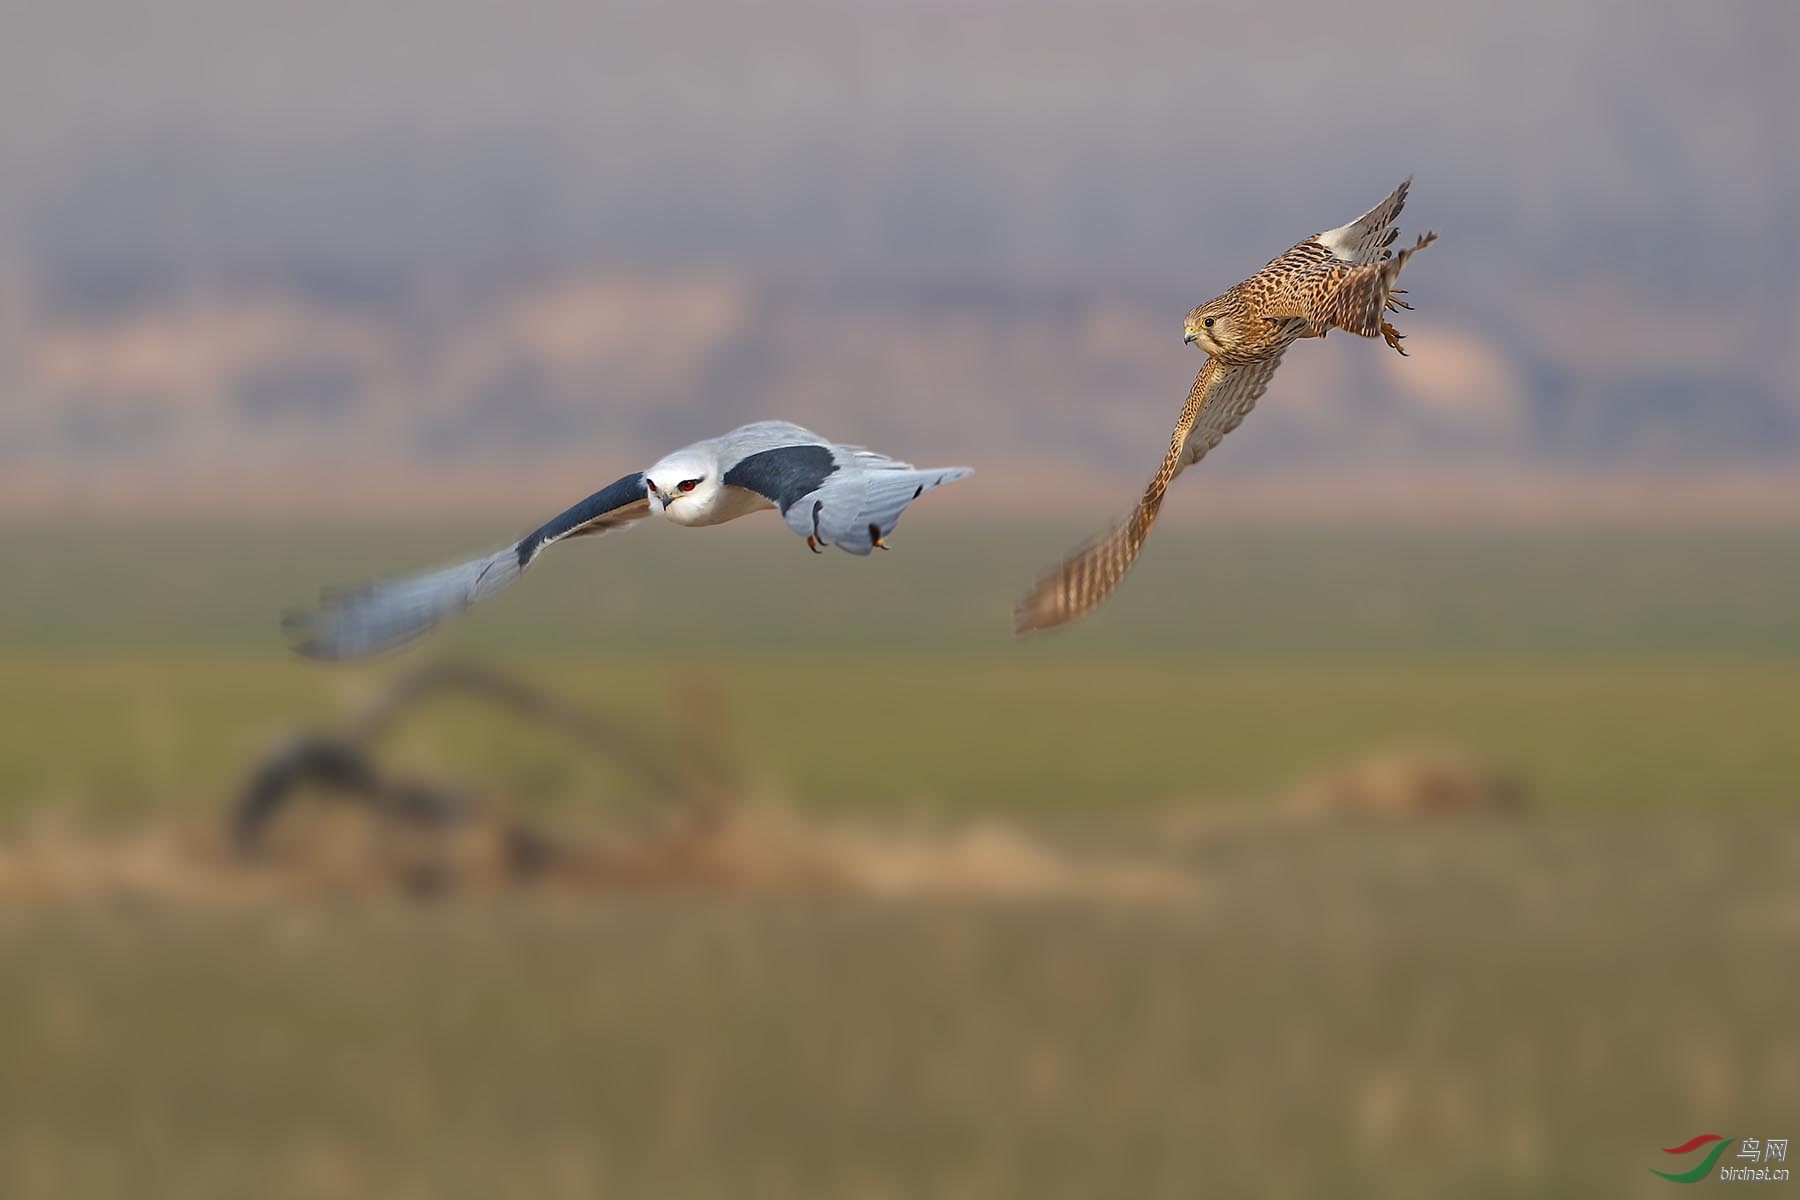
[(345, 763)]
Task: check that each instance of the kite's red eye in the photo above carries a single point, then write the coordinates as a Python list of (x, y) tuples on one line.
[(686, 485)]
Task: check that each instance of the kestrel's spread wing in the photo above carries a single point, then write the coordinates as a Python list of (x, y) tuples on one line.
[(1340, 279), (1222, 396)]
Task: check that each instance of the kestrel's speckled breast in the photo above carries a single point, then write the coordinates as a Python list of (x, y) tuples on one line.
[(1276, 288)]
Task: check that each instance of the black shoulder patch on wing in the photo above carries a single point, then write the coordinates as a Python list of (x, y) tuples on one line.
[(616, 495), (783, 474)]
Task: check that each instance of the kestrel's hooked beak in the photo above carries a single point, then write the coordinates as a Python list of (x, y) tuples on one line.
[(1188, 336)]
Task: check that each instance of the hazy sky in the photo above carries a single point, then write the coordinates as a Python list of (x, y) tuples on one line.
[(967, 219), (1028, 143)]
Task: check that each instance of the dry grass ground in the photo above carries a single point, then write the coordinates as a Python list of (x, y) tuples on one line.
[(1483, 1008)]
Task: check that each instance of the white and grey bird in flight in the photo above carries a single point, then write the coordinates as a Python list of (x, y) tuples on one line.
[(832, 495)]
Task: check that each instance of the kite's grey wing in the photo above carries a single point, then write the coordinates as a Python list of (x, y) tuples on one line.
[(839, 496), (357, 622), (758, 436), (784, 474)]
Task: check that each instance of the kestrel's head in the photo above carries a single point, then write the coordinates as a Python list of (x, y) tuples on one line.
[(1213, 327), (682, 487)]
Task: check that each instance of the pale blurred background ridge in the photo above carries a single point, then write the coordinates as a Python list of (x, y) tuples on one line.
[(248, 247)]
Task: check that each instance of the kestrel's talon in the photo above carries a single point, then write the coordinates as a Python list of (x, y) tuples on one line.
[(1393, 337)]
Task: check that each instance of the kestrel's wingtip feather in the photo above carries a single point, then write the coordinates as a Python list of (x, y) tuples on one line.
[(1037, 610), (1035, 614)]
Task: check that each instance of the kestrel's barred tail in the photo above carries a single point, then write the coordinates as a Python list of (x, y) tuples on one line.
[(1355, 298)]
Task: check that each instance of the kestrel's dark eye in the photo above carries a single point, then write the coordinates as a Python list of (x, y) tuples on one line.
[(1208, 322), (686, 485)]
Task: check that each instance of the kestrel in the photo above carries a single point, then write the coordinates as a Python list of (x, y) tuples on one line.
[(831, 495), (1340, 279)]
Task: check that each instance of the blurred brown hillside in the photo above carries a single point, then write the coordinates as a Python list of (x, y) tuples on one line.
[(316, 252), (234, 389)]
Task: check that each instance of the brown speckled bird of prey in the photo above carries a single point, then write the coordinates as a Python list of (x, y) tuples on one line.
[(1340, 279)]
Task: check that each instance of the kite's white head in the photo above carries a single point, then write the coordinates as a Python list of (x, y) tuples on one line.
[(686, 488)]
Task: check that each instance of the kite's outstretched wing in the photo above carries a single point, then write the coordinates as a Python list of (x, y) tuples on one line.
[(356, 622), (1222, 396), (833, 495)]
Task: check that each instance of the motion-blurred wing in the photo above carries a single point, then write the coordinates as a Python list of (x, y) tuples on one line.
[(1222, 396), (357, 622)]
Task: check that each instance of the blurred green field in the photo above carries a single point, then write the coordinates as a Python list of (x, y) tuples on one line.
[(1620, 668), (1476, 1008), (1202, 591)]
